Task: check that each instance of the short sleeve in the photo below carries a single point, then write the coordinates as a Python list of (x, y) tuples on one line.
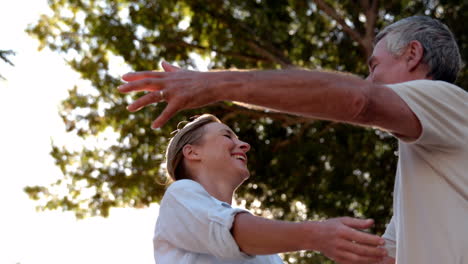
[(192, 220), (390, 239), (442, 110)]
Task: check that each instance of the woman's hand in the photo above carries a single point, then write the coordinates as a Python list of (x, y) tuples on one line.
[(340, 240), (387, 260)]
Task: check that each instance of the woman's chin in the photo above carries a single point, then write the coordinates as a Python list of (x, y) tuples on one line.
[(245, 175)]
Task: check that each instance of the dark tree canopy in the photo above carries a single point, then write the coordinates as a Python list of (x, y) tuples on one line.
[(300, 168)]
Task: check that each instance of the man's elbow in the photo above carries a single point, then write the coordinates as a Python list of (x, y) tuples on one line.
[(360, 106), (381, 107)]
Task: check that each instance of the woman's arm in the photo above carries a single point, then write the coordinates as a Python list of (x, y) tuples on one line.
[(336, 238), (191, 220)]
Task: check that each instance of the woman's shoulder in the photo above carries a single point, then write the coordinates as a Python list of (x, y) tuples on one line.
[(186, 191), (184, 186)]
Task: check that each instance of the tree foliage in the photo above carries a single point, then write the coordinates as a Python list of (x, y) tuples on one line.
[(300, 168)]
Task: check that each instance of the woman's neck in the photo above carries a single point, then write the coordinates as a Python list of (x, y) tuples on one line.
[(218, 186), (218, 190)]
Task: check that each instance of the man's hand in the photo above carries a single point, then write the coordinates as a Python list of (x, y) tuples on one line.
[(341, 240), (181, 89)]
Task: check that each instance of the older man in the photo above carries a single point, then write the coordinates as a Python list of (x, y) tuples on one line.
[(409, 93)]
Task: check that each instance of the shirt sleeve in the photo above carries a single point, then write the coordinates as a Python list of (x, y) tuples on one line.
[(192, 220), (442, 110), (390, 239)]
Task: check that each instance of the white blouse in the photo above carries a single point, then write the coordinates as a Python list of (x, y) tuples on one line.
[(194, 227)]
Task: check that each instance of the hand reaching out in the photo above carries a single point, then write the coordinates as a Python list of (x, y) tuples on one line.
[(339, 239), (344, 243), (181, 89)]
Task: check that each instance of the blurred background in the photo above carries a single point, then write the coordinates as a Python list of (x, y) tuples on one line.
[(80, 174)]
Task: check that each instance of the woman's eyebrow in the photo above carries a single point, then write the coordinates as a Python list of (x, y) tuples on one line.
[(229, 132)]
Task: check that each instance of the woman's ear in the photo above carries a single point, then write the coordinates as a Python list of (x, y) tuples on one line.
[(190, 152), (414, 55)]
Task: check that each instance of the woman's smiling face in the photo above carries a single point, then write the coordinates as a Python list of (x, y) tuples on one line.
[(221, 150)]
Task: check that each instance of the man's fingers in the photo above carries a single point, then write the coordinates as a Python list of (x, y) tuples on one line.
[(145, 100), (166, 114), (135, 76), (147, 84), (169, 67)]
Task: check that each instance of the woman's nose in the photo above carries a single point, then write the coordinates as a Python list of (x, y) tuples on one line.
[(244, 146)]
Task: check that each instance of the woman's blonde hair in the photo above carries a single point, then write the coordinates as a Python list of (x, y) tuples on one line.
[(190, 133)]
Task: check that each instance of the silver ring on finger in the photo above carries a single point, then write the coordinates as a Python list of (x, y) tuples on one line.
[(161, 94)]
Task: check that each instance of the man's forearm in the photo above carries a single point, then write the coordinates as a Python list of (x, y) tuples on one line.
[(322, 95)]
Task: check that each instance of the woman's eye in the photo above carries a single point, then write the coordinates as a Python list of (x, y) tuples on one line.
[(228, 136)]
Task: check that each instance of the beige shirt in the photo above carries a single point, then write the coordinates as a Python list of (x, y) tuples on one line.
[(430, 221)]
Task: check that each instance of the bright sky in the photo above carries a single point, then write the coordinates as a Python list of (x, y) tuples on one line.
[(29, 119)]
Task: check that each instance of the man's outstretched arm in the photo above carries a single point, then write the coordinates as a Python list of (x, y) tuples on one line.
[(321, 95)]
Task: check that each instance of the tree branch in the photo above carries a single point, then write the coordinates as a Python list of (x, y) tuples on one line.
[(285, 63), (262, 47), (331, 12), (259, 112), (365, 43), (370, 12), (182, 43), (297, 137), (4, 54), (364, 4)]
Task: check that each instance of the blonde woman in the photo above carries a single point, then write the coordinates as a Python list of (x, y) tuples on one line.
[(197, 223)]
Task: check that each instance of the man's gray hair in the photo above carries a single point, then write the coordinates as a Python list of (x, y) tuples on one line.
[(441, 52)]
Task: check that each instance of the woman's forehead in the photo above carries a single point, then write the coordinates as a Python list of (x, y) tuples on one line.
[(218, 127)]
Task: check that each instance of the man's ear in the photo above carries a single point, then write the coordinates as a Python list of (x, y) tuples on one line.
[(414, 54), (190, 152)]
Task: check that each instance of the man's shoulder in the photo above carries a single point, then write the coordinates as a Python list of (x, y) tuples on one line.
[(442, 111), (425, 83), (439, 89)]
